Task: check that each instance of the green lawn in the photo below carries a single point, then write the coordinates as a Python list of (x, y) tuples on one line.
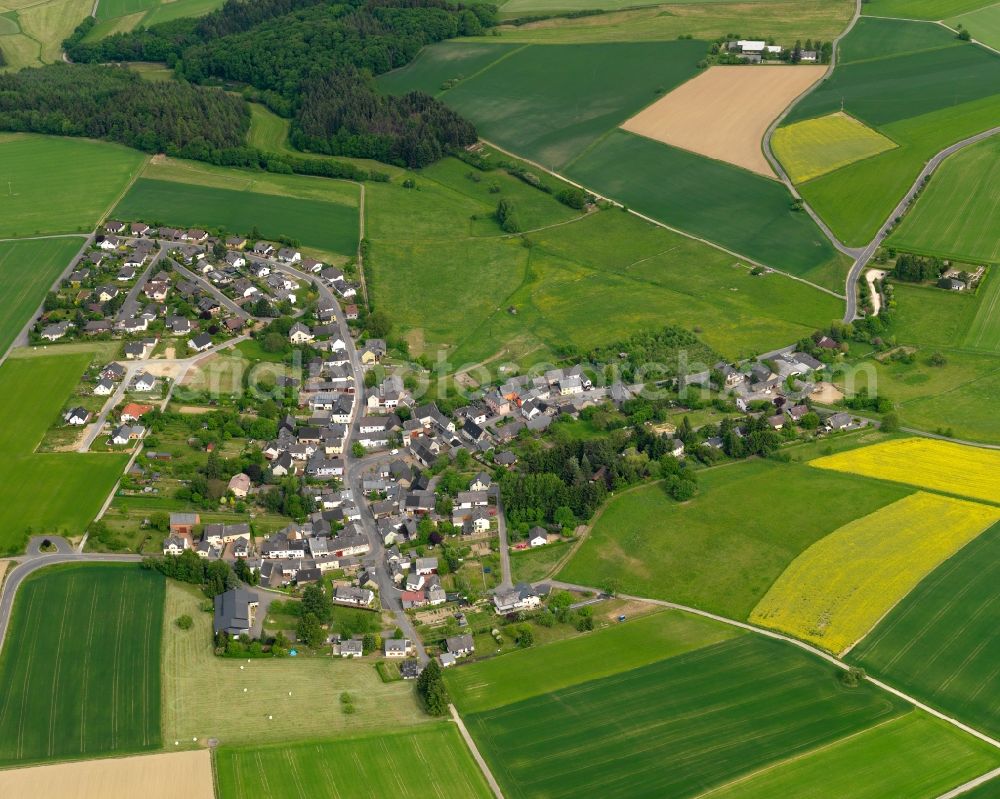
[(956, 215), (785, 20), (532, 565), (922, 9), (722, 550), (81, 664), (526, 106), (59, 185), (677, 727), (917, 756), (32, 395), (939, 643), (739, 210), (500, 681), (431, 761), (984, 24), (28, 269), (325, 226)]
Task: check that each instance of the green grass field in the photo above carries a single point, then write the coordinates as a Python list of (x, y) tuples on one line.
[(311, 711), (956, 215), (431, 761), (32, 395), (922, 9), (446, 61), (28, 269), (739, 210), (984, 331), (108, 9), (59, 185), (81, 664), (878, 39), (330, 227), (516, 8), (31, 33), (677, 727), (565, 285), (984, 24), (722, 550), (785, 20), (498, 681), (814, 147), (939, 643), (923, 99), (915, 755), (522, 104)]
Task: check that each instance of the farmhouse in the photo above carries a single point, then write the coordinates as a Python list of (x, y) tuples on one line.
[(235, 612)]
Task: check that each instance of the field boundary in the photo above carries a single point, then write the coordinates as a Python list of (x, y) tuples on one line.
[(476, 755), (832, 659), (661, 224)]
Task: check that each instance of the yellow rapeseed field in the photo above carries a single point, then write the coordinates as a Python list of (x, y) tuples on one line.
[(923, 462), (838, 589), (817, 146)]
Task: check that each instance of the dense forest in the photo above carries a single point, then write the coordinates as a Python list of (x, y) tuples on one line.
[(118, 105), (314, 62)]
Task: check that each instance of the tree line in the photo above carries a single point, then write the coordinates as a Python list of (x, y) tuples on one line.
[(314, 62)]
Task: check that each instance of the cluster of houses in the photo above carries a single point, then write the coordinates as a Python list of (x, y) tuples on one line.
[(756, 50), (228, 541)]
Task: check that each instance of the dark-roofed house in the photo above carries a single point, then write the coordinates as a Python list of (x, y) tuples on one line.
[(460, 645), (235, 611)]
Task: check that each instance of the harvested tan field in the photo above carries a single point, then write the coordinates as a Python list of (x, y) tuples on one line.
[(725, 111), (165, 776)]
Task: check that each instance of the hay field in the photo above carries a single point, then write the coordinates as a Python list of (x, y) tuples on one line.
[(935, 465), (839, 588), (724, 112), (984, 24), (203, 694), (163, 776), (817, 146)]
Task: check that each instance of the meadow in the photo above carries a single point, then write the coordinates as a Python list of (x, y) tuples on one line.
[(59, 185), (28, 269), (329, 227), (814, 147), (935, 465), (983, 24), (743, 212), (118, 16), (915, 755), (940, 642), (285, 700), (445, 63), (956, 214), (431, 761), (837, 590), (923, 9), (785, 20), (32, 31), (983, 332), (495, 682), (724, 549), (524, 105), (32, 394), (677, 727), (81, 664), (585, 280)]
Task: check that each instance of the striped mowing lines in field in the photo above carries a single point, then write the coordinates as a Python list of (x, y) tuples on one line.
[(430, 761), (926, 463), (940, 643), (81, 674), (837, 590), (984, 330), (817, 146)]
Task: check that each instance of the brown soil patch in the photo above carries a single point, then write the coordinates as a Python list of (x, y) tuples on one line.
[(725, 111), (170, 370), (826, 394), (164, 776), (194, 409), (628, 608)]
